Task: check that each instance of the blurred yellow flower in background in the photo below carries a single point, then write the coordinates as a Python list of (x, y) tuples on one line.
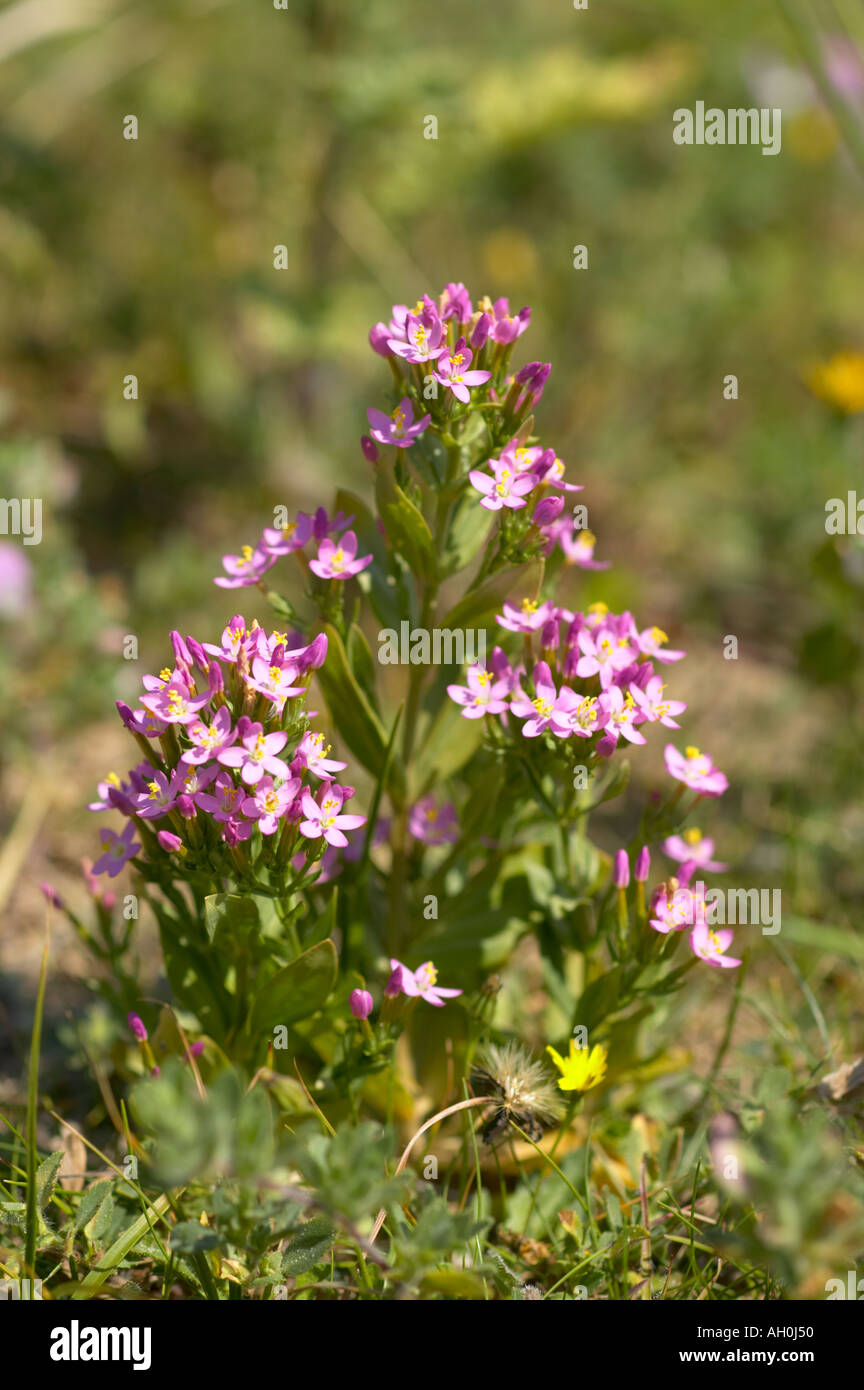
[(509, 257), (839, 381)]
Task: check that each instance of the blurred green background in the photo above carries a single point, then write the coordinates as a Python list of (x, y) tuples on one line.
[(303, 127)]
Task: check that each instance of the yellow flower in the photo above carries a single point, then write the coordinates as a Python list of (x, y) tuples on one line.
[(839, 382), (582, 1068)]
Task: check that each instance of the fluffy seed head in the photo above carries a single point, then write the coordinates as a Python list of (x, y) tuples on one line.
[(522, 1088)]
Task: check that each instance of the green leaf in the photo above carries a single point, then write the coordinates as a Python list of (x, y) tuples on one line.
[(281, 605), (446, 746), (355, 718), (190, 1237), (308, 1247), (119, 1250), (479, 606), (232, 919), (406, 526), (189, 974), (468, 530), (454, 1283), (384, 595), (599, 999), (298, 990), (801, 931), (92, 1202), (360, 660), (46, 1177)]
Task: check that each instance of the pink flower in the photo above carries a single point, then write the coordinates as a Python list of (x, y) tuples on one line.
[(16, 580), (420, 982), (696, 770), (693, 848), (506, 489), (209, 740), (674, 906), (223, 802), (619, 711), (710, 945), (312, 755), (245, 568), (292, 536), (603, 654), (233, 637), (169, 842), (257, 755), (528, 617), (650, 643), (484, 694), (578, 546), (400, 428), (422, 334), (174, 704), (453, 374), (141, 721), (270, 803), (550, 472), (157, 798), (116, 850), (506, 327), (653, 707), (549, 709), (433, 824), (274, 674), (324, 817), (339, 562)]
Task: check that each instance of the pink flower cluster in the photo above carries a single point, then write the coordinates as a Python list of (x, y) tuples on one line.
[(676, 906), (216, 775), (335, 559), (594, 679)]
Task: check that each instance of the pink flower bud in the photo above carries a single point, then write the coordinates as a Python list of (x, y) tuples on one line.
[(548, 510), (621, 872), (643, 865), (368, 449), (378, 335), (361, 1003), (51, 894), (137, 1027), (481, 331), (170, 843), (317, 652)]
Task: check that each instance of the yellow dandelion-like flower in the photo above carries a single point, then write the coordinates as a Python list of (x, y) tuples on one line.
[(839, 382), (582, 1068)]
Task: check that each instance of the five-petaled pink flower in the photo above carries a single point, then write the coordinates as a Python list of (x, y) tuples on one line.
[(696, 770), (454, 375), (433, 824), (116, 850), (324, 817), (245, 568), (256, 754), (421, 982), (400, 428), (270, 803), (711, 945), (505, 489), (339, 561), (484, 693)]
